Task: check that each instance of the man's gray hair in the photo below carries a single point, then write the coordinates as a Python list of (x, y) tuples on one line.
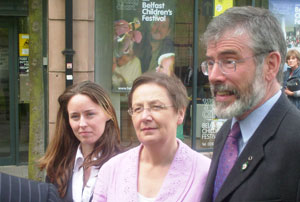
[(259, 24)]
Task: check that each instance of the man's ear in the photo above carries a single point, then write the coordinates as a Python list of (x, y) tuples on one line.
[(271, 65)]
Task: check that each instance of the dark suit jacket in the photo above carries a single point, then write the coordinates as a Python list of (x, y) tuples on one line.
[(69, 194), (15, 189), (271, 160)]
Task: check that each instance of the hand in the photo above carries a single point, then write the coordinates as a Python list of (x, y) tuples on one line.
[(288, 92)]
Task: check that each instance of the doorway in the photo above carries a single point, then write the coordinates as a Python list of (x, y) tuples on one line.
[(14, 116)]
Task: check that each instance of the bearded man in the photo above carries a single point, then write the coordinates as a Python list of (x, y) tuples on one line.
[(256, 152)]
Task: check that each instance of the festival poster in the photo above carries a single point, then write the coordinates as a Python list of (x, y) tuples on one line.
[(207, 124), (288, 14), (143, 40)]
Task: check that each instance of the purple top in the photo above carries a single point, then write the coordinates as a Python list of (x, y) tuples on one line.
[(185, 180)]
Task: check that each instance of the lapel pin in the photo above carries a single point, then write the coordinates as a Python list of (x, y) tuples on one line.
[(244, 166)]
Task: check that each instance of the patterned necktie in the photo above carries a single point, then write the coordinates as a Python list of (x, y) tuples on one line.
[(227, 158)]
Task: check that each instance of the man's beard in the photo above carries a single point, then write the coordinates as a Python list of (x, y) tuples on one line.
[(246, 99)]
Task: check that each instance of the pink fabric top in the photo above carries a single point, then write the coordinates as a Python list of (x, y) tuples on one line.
[(117, 179)]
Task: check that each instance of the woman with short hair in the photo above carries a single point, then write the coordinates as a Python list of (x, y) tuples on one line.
[(162, 167), (293, 71)]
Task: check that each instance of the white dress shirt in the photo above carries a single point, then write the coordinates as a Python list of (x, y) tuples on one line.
[(145, 199), (80, 193)]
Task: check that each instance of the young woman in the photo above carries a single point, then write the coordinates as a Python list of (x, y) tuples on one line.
[(86, 136)]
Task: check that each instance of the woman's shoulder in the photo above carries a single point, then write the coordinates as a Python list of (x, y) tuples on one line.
[(297, 72), (199, 157), (123, 157), (203, 161)]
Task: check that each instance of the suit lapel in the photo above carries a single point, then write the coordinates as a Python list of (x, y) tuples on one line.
[(253, 153), (243, 167), (69, 194)]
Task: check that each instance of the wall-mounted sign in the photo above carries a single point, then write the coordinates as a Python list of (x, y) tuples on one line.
[(23, 44), (23, 65)]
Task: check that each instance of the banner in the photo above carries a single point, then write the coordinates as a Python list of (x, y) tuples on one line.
[(222, 5), (143, 40), (288, 14)]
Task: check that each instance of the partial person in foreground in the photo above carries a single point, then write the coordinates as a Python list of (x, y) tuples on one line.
[(162, 168), (292, 76), (14, 189), (258, 159), (86, 136)]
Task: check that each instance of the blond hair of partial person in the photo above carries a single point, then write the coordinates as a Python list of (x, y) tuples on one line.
[(166, 63)]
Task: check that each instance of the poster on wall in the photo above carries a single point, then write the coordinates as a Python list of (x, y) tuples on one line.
[(143, 40), (207, 124), (23, 44), (288, 14), (23, 53), (24, 96)]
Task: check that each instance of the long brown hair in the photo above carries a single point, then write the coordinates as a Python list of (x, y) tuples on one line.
[(60, 154)]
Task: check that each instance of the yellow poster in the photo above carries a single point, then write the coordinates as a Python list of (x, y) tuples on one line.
[(222, 5), (23, 44)]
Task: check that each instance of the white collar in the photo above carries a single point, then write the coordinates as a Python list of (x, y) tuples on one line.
[(79, 159)]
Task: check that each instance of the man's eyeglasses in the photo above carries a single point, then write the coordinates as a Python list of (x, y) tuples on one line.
[(226, 66), (134, 111)]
